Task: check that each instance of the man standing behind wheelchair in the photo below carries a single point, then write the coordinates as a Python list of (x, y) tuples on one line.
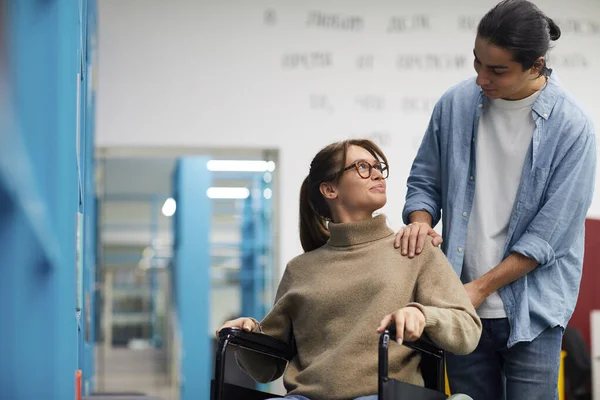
[(334, 300), (508, 162)]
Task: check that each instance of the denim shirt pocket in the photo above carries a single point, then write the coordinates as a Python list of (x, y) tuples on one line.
[(534, 188)]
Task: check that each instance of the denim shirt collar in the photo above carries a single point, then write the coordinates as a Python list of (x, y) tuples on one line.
[(547, 100), (544, 104)]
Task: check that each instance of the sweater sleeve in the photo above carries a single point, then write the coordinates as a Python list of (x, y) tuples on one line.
[(451, 320), (278, 325)]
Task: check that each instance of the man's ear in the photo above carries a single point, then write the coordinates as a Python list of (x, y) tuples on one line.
[(538, 66), (328, 190)]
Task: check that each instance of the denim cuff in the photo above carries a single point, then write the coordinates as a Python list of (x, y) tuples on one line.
[(533, 246), (420, 205)]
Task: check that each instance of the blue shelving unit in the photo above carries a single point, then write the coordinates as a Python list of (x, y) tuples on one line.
[(256, 248), (191, 276), (40, 198), (89, 205), (88, 202)]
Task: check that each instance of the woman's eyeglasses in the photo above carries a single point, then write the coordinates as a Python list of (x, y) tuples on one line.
[(364, 169)]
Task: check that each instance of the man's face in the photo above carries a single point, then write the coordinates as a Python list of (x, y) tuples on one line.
[(498, 75)]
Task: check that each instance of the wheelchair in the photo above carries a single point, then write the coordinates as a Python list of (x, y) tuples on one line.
[(431, 365)]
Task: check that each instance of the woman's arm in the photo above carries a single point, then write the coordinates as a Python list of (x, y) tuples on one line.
[(276, 324)]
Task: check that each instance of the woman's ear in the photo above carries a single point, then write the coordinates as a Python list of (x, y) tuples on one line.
[(328, 190)]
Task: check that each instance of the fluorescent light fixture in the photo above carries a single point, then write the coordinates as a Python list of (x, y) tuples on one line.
[(227, 192), (241, 165), (168, 209)]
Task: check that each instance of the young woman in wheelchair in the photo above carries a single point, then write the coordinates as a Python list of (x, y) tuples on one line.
[(334, 300)]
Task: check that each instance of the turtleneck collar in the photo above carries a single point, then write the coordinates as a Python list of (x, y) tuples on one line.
[(353, 233)]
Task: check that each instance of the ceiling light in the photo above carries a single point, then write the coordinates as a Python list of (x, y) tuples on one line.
[(228, 192), (240, 165), (168, 209)]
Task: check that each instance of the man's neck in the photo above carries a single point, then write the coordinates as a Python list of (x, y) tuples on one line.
[(534, 86)]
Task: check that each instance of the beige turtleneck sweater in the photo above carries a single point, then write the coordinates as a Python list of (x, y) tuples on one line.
[(331, 300)]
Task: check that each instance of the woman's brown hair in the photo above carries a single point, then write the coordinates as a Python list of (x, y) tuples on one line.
[(327, 166)]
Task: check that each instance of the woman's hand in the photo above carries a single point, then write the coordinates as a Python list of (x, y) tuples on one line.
[(247, 324), (410, 323), (411, 238)]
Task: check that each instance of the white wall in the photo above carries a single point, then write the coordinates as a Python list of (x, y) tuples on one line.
[(226, 74)]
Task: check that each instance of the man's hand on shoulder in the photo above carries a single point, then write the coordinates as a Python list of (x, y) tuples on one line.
[(411, 238)]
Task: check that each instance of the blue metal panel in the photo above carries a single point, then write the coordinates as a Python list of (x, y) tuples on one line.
[(39, 200), (191, 276), (81, 176), (89, 199), (64, 196), (256, 246), (251, 279), (267, 235)]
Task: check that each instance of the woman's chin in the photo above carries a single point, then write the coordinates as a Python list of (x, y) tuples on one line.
[(381, 202)]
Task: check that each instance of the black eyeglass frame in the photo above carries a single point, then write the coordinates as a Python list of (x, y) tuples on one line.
[(384, 170)]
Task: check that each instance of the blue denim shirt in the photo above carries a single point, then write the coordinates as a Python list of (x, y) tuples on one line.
[(554, 195)]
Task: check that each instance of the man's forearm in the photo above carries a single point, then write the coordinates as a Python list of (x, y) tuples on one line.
[(509, 270), (420, 216)]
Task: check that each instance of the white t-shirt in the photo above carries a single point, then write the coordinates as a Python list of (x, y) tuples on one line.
[(503, 139)]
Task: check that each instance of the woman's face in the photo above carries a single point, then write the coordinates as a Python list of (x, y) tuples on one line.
[(499, 76), (355, 198)]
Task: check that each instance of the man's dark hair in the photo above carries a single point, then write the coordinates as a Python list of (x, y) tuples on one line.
[(522, 28)]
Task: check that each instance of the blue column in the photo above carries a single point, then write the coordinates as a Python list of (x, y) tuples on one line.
[(38, 200), (191, 276)]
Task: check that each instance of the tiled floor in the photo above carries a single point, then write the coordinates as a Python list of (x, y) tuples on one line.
[(145, 371), (126, 370)]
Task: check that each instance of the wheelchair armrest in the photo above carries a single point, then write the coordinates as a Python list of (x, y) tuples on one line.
[(258, 342), (422, 345)]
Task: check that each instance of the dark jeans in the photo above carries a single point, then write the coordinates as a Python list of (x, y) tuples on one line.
[(526, 371)]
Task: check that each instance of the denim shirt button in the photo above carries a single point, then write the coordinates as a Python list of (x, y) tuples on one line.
[(460, 249), (480, 105)]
